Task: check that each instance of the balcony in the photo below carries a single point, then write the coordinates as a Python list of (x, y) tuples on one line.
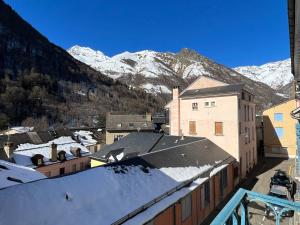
[(236, 210)]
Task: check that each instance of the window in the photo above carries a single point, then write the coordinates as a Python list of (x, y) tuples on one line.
[(192, 127), (212, 104), (246, 135), (251, 114), (240, 128), (243, 96), (117, 137), (245, 112), (194, 106), (74, 167), (218, 128), (62, 171), (206, 194), (278, 116), (119, 125), (131, 125), (253, 133), (81, 166), (239, 103), (279, 131), (223, 180), (235, 172), (206, 104), (186, 207), (248, 116)]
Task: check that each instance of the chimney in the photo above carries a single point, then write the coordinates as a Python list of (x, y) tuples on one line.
[(9, 149), (175, 113), (175, 92), (53, 152), (148, 117)]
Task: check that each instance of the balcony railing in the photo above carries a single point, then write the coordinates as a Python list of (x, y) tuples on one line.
[(236, 210)]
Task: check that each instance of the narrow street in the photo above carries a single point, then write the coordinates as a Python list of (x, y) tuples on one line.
[(259, 181)]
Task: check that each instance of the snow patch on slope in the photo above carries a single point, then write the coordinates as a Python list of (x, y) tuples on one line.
[(275, 74)]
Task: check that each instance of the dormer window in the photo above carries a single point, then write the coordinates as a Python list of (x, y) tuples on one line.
[(61, 156), (194, 106), (37, 160)]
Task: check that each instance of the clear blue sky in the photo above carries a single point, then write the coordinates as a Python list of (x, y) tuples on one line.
[(231, 32)]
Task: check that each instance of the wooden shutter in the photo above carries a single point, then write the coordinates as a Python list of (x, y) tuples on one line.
[(218, 128), (192, 127)]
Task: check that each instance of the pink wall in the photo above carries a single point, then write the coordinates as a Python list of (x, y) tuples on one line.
[(54, 168)]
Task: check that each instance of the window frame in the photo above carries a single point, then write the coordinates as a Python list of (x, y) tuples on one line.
[(278, 119), (195, 106), (222, 127), (186, 207), (195, 125)]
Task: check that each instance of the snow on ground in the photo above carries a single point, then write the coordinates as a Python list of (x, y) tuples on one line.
[(194, 70), (100, 195), (151, 88), (24, 152), (22, 173)]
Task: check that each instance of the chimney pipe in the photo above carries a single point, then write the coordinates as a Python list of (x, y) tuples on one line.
[(9, 150), (53, 152)]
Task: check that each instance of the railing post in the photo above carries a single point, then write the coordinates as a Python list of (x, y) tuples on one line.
[(243, 214)]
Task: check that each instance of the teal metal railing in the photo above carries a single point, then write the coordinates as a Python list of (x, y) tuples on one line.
[(235, 211)]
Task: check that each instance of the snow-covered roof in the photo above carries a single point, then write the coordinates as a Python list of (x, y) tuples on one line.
[(101, 195), (13, 174), (18, 130), (85, 137), (24, 152)]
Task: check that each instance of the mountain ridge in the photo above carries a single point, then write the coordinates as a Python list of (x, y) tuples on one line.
[(158, 72)]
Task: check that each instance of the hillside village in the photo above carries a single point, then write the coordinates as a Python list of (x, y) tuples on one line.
[(145, 138)]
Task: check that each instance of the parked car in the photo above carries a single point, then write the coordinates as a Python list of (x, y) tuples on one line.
[(283, 193), (282, 179)]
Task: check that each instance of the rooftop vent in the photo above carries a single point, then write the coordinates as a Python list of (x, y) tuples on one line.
[(3, 167), (37, 160), (61, 156), (14, 180)]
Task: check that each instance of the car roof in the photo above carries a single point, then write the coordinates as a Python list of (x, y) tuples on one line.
[(279, 190)]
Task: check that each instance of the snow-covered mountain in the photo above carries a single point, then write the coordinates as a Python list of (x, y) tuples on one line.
[(275, 74), (158, 72)]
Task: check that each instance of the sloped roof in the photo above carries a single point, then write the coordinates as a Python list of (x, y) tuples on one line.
[(13, 174), (116, 192), (24, 152), (139, 143), (220, 90)]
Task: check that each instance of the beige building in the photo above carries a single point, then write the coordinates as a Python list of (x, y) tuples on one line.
[(280, 130), (223, 113), (120, 125)]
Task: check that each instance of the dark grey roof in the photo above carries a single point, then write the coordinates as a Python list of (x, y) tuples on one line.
[(128, 122), (220, 90), (137, 142), (197, 153), (140, 143)]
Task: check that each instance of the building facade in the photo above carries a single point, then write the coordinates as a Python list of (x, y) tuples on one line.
[(223, 113), (280, 130), (120, 125)]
